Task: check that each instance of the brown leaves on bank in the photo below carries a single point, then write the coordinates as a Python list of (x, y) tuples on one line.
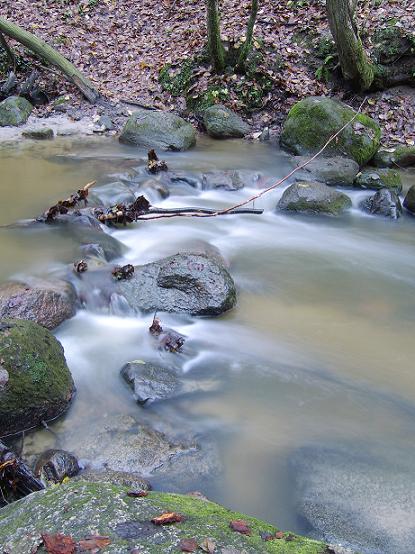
[(240, 526), (65, 544), (188, 545), (167, 518)]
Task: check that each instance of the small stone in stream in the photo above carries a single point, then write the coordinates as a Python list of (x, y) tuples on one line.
[(385, 202), (167, 518), (240, 526), (188, 545), (123, 272), (106, 122), (80, 266), (39, 134), (54, 465), (137, 494)]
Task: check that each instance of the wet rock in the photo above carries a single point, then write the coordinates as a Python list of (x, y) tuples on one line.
[(313, 197), (152, 188), (312, 121), (106, 122), (54, 465), (184, 283), (158, 130), (221, 122), (409, 201), (385, 202), (376, 179), (121, 478), (44, 133), (40, 385), (105, 509), (336, 171), (47, 302), (14, 111), (228, 180), (113, 193)]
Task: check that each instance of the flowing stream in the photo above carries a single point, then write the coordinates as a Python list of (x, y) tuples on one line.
[(309, 383)]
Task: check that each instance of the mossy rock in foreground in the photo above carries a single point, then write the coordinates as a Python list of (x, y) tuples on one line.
[(14, 111), (82, 509), (35, 382), (312, 121)]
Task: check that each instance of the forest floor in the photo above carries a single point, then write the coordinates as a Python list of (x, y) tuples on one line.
[(123, 44)]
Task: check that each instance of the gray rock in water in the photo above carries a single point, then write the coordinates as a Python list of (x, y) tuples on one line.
[(358, 497), (336, 171), (184, 283), (311, 197), (229, 180), (376, 179), (312, 121), (39, 385), (44, 133), (385, 202), (221, 122), (47, 302), (113, 193), (159, 130), (409, 201), (14, 111), (150, 382), (106, 122), (54, 465)]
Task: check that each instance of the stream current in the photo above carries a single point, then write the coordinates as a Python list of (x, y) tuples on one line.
[(309, 400)]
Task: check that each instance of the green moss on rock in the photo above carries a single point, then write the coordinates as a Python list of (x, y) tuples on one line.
[(39, 385), (14, 111), (376, 179), (312, 121), (105, 509)]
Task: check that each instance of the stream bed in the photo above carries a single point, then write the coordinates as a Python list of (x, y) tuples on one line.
[(305, 411)]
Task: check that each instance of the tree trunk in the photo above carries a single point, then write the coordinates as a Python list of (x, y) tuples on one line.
[(216, 50), (51, 56), (246, 48), (356, 66)]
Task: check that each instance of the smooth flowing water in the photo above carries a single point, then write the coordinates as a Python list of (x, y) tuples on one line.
[(309, 395)]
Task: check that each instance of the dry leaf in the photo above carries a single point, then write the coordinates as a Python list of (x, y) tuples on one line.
[(240, 526), (167, 518), (58, 544), (94, 543), (188, 545)]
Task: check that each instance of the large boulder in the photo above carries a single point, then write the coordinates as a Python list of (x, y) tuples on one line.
[(14, 111), (385, 202), (402, 156), (409, 201), (376, 179), (48, 303), (336, 171), (313, 197), (81, 509), (160, 130), (221, 122), (312, 121), (190, 283), (37, 383)]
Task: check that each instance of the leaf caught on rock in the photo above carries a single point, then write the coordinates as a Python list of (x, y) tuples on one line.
[(188, 545), (167, 518), (137, 494), (208, 545), (94, 543), (58, 544), (240, 526)]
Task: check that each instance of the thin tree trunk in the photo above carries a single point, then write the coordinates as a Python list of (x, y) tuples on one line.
[(51, 56), (216, 50), (246, 48), (355, 64)]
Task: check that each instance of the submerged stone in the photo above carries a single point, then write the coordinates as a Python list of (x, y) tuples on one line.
[(312, 121), (14, 111), (39, 385), (107, 510), (159, 130), (314, 198), (221, 122)]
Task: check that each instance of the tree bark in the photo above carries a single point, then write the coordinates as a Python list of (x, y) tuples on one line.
[(355, 64), (49, 55), (216, 50), (246, 48)]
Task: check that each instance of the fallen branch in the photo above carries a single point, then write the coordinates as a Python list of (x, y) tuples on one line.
[(63, 206), (49, 55)]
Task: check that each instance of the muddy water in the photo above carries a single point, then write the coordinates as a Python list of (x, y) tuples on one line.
[(313, 404)]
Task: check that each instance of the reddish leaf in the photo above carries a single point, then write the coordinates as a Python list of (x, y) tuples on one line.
[(240, 526), (188, 545), (94, 543), (167, 518), (137, 494), (279, 535), (58, 544)]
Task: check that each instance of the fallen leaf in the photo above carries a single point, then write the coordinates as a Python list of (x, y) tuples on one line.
[(208, 546), (58, 544), (279, 535), (94, 543), (167, 518), (188, 545), (240, 526), (137, 494)]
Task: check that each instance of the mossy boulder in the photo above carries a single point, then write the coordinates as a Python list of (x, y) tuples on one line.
[(377, 179), (106, 510), (403, 156), (312, 121), (45, 133), (313, 198), (409, 201), (221, 122), (38, 384), (14, 111), (160, 130)]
